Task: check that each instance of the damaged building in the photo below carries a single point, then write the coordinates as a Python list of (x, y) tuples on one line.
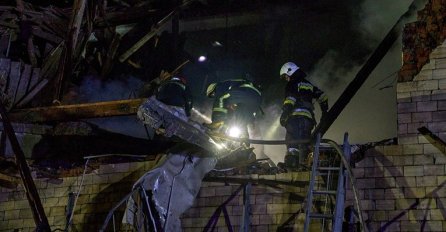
[(86, 146)]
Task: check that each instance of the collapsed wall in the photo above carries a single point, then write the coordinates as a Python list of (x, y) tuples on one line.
[(101, 190), (402, 187)]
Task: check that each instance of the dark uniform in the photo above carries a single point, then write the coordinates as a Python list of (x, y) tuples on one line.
[(298, 116), (236, 99), (175, 92)]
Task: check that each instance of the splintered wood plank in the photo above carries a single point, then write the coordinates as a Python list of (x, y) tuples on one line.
[(77, 111), (7, 16), (9, 182), (76, 20), (158, 27), (48, 49), (4, 43), (46, 36), (13, 80), (110, 55), (50, 63), (31, 52), (24, 82), (34, 79), (5, 65), (34, 91), (2, 144)]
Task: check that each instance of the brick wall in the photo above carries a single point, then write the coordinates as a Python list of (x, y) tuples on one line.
[(271, 207), (402, 187), (102, 189)]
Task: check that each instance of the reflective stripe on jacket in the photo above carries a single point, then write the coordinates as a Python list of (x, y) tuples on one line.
[(299, 95)]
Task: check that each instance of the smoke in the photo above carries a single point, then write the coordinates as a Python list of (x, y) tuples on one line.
[(371, 113), (271, 129), (377, 17), (331, 75), (93, 89)]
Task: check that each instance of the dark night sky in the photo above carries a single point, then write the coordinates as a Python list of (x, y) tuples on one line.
[(329, 39)]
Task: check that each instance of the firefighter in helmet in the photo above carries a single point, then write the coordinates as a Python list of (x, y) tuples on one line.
[(174, 92), (234, 99), (298, 113)]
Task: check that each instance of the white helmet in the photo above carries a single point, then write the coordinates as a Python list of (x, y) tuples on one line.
[(210, 90), (289, 68)]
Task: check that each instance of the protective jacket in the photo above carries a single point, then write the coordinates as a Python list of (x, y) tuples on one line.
[(299, 95), (238, 96), (175, 92)]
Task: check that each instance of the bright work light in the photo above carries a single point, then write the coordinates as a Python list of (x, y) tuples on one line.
[(234, 132)]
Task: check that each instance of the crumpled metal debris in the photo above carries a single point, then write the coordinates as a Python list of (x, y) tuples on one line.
[(170, 188)]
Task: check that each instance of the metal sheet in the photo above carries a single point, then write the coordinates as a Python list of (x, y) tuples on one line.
[(173, 186)]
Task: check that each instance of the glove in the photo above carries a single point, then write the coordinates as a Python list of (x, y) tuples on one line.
[(215, 125), (283, 119), (164, 75)]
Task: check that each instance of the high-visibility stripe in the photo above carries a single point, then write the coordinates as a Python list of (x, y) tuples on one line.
[(218, 109), (323, 98), (302, 112), (289, 100), (221, 100), (305, 86)]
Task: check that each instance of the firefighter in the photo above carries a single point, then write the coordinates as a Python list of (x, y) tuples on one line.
[(174, 92), (298, 113), (234, 99)]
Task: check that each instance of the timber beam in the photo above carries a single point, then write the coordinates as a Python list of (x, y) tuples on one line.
[(433, 139), (77, 111), (32, 194)]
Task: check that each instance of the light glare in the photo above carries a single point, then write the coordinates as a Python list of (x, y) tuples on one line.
[(202, 58), (235, 132)]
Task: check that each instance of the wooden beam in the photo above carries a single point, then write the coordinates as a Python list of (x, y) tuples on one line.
[(125, 16), (433, 139), (12, 180), (23, 83), (110, 55), (6, 183), (50, 63), (78, 111), (31, 51), (46, 36), (76, 21), (13, 81), (267, 182), (66, 64), (32, 195), (5, 66), (157, 28), (29, 96)]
